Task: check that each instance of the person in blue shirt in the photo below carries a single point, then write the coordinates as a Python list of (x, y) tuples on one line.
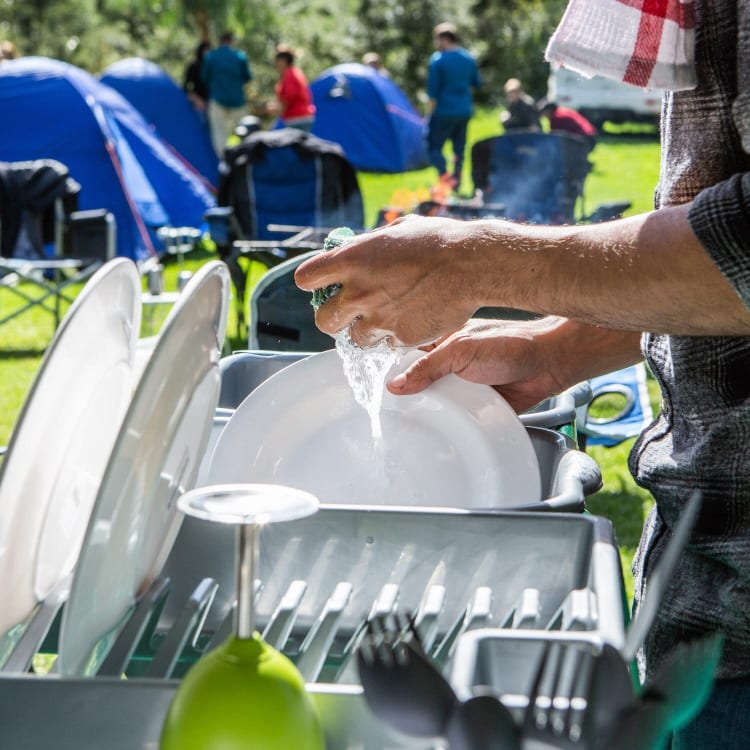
[(225, 71), (452, 76)]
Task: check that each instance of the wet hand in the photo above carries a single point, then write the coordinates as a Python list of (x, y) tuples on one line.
[(511, 357), (408, 280)]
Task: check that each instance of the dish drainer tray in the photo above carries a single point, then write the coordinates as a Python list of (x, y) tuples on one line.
[(320, 578)]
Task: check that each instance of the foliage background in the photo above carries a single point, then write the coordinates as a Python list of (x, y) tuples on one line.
[(507, 36)]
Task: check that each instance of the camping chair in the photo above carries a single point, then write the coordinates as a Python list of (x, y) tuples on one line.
[(627, 386), (38, 202), (538, 177), (281, 316), (277, 180)]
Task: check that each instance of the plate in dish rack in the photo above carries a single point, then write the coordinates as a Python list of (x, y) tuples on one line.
[(155, 458), (62, 440), (456, 444)]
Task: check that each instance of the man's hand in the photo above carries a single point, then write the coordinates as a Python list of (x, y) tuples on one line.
[(525, 362), (407, 281), (419, 278), (508, 356)]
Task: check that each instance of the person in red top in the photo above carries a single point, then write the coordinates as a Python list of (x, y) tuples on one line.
[(292, 92), (567, 120)]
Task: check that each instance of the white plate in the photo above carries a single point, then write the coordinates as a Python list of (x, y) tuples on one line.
[(63, 437), (155, 459), (456, 444)]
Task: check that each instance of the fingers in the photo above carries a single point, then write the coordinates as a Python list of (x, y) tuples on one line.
[(333, 313), (317, 272), (354, 256), (365, 336), (339, 312), (328, 315), (367, 332), (425, 371)]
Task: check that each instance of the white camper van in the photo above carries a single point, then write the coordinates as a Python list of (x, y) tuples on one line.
[(601, 99)]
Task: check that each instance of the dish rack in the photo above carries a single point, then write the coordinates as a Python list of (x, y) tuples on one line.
[(320, 578)]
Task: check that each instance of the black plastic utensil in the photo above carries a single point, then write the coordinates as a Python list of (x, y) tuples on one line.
[(401, 686), (408, 692), (674, 696), (482, 723)]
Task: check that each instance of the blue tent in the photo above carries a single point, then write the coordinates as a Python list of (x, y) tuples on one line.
[(53, 110), (370, 117), (165, 106)]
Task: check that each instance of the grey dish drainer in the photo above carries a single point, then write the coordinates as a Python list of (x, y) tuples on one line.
[(319, 580)]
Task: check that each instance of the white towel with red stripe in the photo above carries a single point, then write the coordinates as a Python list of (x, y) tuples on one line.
[(647, 43)]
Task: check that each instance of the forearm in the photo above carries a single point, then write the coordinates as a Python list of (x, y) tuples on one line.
[(418, 278), (645, 273), (577, 351)]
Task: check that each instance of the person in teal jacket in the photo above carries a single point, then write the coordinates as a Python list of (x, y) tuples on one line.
[(452, 76), (225, 71)]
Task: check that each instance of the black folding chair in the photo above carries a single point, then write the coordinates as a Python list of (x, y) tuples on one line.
[(38, 211)]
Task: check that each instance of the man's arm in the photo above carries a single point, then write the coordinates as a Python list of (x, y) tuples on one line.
[(477, 78), (418, 278), (247, 73)]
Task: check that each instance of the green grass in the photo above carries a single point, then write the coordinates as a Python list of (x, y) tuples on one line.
[(625, 167)]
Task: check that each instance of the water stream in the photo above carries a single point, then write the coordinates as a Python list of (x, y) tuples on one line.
[(366, 370)]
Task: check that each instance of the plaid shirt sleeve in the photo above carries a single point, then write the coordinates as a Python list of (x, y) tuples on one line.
[(720, 215)]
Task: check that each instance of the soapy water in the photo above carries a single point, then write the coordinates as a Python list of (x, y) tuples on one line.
[(365, 371)]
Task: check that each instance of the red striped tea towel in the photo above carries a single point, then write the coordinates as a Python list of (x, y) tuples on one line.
[(648, 43)]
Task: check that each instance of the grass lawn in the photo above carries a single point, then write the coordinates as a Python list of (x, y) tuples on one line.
[(625, 168)]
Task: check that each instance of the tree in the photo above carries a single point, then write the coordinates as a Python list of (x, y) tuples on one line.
[(512, 37), (401, 32), (508, 37)]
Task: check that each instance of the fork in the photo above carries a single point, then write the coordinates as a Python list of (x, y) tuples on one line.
[(401, 686), (559, 697), (406, 690)]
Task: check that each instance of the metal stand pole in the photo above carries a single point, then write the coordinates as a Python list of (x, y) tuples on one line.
[(247, 563)]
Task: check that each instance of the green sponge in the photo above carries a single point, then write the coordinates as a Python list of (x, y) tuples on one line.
[(336, 238)]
